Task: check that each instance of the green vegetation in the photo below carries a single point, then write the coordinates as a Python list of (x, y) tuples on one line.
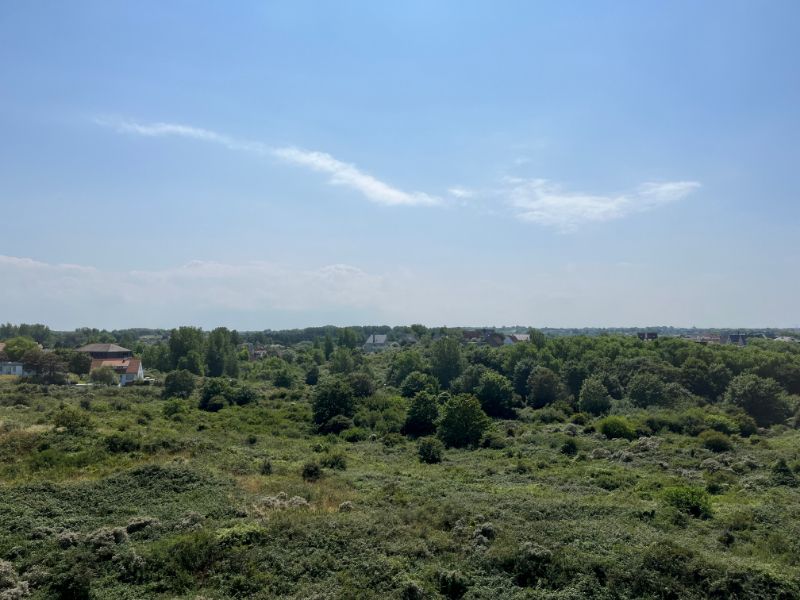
[(572, 467)]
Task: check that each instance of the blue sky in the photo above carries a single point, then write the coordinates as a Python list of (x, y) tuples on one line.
[(266, 165)]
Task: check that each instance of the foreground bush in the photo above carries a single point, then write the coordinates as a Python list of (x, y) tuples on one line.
[(692, 501), (715, 441), (332, 397), (616, 427), (430, 450), (178, 384)]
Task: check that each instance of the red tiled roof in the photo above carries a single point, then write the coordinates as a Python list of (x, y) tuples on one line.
[(129, 366)]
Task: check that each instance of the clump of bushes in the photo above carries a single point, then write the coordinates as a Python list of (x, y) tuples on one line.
[(430, 450), (715, 441), (463, 421), (335, 460), (217, 393), (616, 427), (689, 500), (311, 471)]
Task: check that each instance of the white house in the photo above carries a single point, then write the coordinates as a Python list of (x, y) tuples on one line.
[(128, 369), (11, 368)]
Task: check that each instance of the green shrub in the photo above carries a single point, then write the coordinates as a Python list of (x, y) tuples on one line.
[(463, 421), (616, 427), (337, 424), (430, 450), (417, 382), (178, 384), (266, 467), (715, 441), (311, 471), (422, 415), (452, 584), (355, 434), (335, 460), (72, 420), (689, 500), (118, 443), (569, 447), (761, 397), (104, 376), (332, 396)]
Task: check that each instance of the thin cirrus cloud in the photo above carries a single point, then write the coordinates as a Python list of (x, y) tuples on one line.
[(538, 201), (341, 173), (546, 203)]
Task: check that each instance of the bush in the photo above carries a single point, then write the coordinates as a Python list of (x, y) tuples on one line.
[(362, 384), (104, 376), (356, 434), (494, 393), (178, 384), (691, 501), (241, 395), (215, 390), (118, 443), (337, 424), (463, 421), (335, 460), (422, 415), (430, 450), (569, 447), (72, 420), (452, 584), (311, 471), (715, 441), (266, 467), (646, 389), (616, 427)]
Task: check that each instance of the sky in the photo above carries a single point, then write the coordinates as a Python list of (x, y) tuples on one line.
[(265, 165)]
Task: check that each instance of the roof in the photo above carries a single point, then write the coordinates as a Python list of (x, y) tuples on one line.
[(377, 338), (102, 348), (129, 366)]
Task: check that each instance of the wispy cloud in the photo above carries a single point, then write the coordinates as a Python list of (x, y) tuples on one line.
[(341, 173), (546, 203)]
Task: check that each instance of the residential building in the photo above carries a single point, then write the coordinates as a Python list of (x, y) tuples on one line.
[(127, 369), (106, 351), (376, 342)]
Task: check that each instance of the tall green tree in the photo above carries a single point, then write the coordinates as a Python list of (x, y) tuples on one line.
[(463, 421), (447, 360)]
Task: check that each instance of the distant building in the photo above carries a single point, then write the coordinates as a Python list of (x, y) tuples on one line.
[(647, 336), (106, 351), (376, 342), (516, 338), (8, 367), (127, 369)]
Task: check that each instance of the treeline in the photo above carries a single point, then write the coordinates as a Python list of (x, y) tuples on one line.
[(212, 354)]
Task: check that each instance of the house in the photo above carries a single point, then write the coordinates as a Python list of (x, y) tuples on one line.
[(516, 338), (483, 336), (8, 367), (376, 342), (128, 369), (106, 351), (647, 336)]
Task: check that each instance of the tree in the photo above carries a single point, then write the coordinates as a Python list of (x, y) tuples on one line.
[(178, 384), (221, 358), (214, 389), (79, 363), (46, 367), (362, 384), (538, 338), (342, 360), (184, 341), (646, 389), (494, 393), (522, 371), (422, 415), (544, 387), (463, 421), (328, 346), (348, 338), (430, 450), (332, 396), (760, 397), (468, 380), (104, 376), (18, 346), (403, 364), (447, 361), (594, 398), (417, 382)]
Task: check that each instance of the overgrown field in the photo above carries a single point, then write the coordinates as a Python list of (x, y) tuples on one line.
[(120, 493)]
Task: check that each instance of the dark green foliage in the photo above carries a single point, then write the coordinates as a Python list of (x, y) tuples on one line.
[(186, 349), (335, 460), (430, 450), (312, 375), (118, 442), (715, 441), (494, 393), (402, 365), (594, 398), (178, 384), (422, 415), (362, 384), (336, 424), (266, 467), (417, 382), (522, 371), (468, 381), (569, 447), (283, 377), (17, 347), (689, 500), (78, 362), (311, 471), (452, 584), (782, 474), (217, 393), (544, 387), (646, 389), (221, 355), (104, 376), (332, 396), (616, 427), (761, 398), (462, 421), (528, 564), (72, 420), (447, 361)]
